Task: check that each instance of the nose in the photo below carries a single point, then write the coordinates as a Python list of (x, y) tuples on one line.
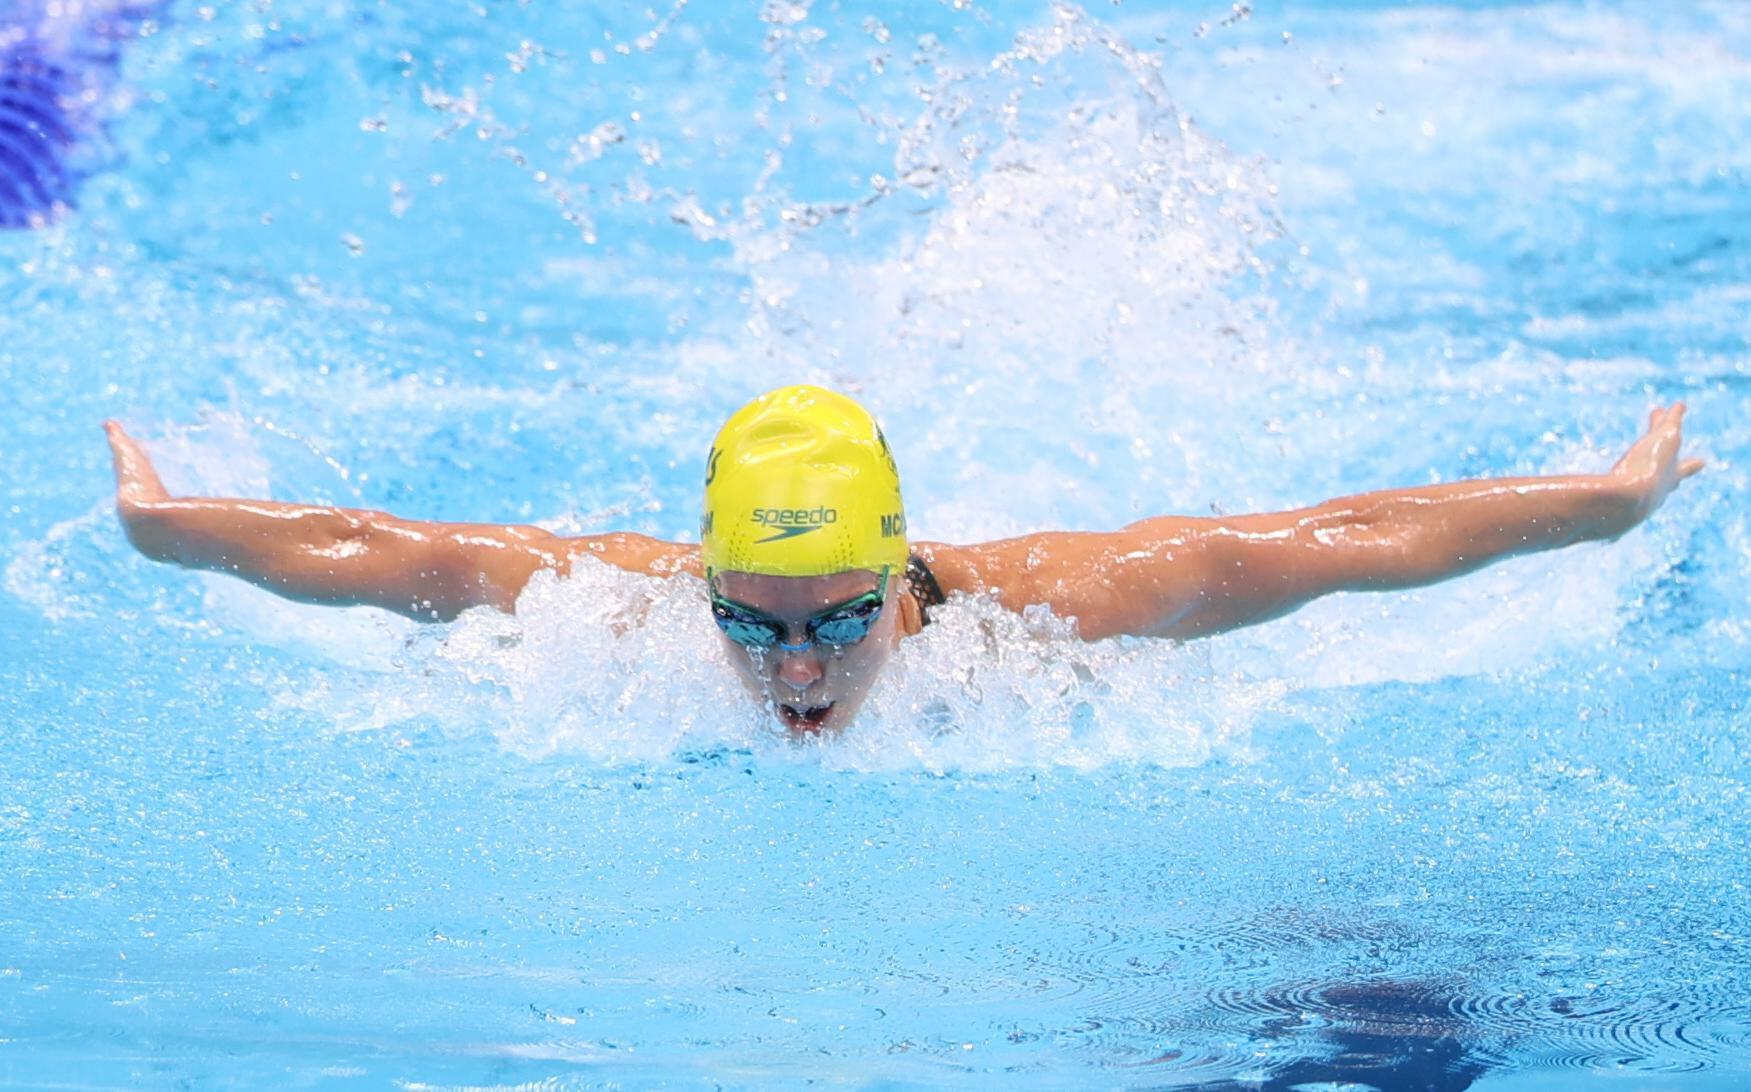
[(799, 670)]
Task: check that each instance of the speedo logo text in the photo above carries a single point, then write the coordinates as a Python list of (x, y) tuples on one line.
[(791, 522)]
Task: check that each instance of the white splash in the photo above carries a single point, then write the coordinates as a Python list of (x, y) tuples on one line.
[(626, 668)]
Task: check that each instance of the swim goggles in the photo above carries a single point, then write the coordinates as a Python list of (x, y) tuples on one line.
[(839, 626)]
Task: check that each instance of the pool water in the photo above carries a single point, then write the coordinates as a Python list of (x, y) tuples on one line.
[(517, 262)]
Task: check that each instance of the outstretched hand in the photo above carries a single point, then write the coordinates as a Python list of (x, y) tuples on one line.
[(136, 481), (1651, 468)]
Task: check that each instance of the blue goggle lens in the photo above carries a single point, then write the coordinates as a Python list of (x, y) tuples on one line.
[(848, 625), (843, 625)]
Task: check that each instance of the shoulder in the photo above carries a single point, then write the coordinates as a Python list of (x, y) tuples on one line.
[(1133, 580), (634, 552), (1047, 557)]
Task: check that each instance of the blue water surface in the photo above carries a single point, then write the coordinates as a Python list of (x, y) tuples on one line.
[(515, 262)]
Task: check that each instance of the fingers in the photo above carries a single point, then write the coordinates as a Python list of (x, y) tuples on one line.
[(124, 452), (1660, 416), (1657, 451), (1665, 431), (136, 480), (122, 449), (119, 443), (1670, 420)]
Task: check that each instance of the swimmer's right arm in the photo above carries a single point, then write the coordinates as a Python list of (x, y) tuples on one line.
[(426, 570)]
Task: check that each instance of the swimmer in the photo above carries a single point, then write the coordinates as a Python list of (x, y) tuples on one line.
[(808, 571)]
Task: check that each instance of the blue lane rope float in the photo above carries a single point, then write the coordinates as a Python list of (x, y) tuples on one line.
[(56, 63), (36, 136)]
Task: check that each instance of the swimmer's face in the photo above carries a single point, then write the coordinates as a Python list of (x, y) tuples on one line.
[(820, 688)]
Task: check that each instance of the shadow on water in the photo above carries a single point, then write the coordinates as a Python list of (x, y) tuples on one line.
[(1394, 1036)]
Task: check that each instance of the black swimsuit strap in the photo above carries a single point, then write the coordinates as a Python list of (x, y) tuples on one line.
[(924, 587)]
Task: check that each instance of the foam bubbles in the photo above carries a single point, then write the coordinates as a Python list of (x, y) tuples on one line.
[(984, 688), (624, 668), (601, 663)]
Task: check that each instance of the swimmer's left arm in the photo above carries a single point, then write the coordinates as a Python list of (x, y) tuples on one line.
[(1185, 577)]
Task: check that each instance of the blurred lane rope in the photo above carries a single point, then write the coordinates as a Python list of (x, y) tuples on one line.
[(55, 61)]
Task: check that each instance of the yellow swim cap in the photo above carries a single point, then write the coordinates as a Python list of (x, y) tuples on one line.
[(800, 482)]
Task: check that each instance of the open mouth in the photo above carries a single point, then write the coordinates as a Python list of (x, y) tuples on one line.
[(806, 719)]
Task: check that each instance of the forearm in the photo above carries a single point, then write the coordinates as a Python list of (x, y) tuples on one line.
[(340, 556), (1409, 537), (429, 571), (1249, 569), (236, 536), (1174, 576), (310, 553)]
